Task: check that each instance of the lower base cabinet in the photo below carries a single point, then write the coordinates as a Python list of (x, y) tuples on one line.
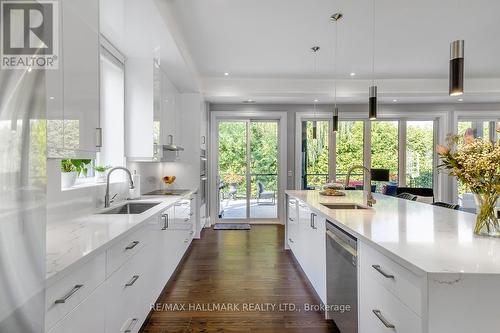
[(87, 317), (142, 263)]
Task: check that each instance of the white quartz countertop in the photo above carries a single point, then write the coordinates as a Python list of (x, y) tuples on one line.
[(425, 237), (71, 241)]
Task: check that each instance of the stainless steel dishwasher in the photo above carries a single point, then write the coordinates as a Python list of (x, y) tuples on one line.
[(342, 278)]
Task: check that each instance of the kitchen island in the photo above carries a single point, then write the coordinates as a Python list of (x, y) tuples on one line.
[(419, 266)]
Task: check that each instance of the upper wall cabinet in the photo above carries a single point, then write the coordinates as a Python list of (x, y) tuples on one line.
[(141, 86), (73, 89)]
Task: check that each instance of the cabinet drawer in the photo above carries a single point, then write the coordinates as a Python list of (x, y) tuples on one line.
[(402, 283), (379, 309), (65, 294), (122, 251), (129, 292), (87, 317)]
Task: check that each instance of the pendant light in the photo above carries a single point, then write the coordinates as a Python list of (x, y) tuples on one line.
[(456, 68), (335, 126), (315, 50), (372, 91)]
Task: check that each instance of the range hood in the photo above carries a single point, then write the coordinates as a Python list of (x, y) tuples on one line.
[(171, 146)]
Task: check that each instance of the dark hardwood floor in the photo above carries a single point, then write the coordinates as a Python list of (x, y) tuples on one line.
[(241, 268)]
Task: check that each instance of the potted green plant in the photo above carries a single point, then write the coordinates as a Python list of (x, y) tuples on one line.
[(81, 167), (100, 173), (68, 174)]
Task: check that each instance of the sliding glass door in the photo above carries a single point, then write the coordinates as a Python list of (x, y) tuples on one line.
[(248, 164)]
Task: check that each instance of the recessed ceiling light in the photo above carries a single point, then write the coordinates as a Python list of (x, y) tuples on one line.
[(51, 97), (226, 74), (249, 101), (460, 99), (316, 100), (352, 74), (394, 100)]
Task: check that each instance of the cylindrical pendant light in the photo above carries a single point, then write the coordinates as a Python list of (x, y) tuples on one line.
[(315, 50), (372, 103), (372, 91), (456, 68), (335, 121), (335, 126)]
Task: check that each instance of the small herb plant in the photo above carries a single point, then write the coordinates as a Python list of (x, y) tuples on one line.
[(102, 168), (67, 166), (80, 166)]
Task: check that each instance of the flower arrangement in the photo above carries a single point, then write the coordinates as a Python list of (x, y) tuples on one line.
[(476, 163)]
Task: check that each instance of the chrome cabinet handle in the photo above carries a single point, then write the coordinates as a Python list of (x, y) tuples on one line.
[(191, 232), (291, 240), (186, 219), (378, 269), (68, 295), (131, 325), (382, 319), (186, 240), (98, 137), (165, 221), (290, 219), (313, 221), (191, 214), (132, 245), (132, 281)]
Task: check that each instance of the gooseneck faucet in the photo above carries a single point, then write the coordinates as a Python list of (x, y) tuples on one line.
[(370, 201), (107, 201)]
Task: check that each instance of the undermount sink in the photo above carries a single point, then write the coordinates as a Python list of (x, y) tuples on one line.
[(344, 206), (131, 208)]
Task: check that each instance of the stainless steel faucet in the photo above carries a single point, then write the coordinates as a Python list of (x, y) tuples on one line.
[(107, 201), (370, 201)]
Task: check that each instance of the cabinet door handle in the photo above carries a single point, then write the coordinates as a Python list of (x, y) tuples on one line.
[(131, 325), (186, 240), (186, 219), (378, 269), (165, 221), (98, 137), (69, 294), (132, 281), (313, 221), (191, 214), (290, 219), (132, 245), (191, 232), (382, 319), (291, 240)]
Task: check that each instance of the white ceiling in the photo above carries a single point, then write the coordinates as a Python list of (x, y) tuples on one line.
[(265, 46)]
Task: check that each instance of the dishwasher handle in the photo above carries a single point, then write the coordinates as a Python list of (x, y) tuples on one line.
[(352, 251)]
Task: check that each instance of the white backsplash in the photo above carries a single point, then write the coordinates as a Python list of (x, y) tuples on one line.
[(76, 201)]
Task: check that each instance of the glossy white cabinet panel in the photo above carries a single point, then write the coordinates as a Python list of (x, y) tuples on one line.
[(65, 294), (404, 284), (379, 309), (87, 317), (73, 89), (125, 249)]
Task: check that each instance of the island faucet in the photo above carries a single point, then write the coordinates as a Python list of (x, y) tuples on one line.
[(106, 197), (370, 201)]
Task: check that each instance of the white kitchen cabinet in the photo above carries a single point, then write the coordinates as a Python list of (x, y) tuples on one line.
[(292, 222), (308, 244), (73, 89), (87, 317), (171, 118), (139, 107)]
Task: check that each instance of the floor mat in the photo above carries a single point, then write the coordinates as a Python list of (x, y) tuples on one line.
[(232, 226)]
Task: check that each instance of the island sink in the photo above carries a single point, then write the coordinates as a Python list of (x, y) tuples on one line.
[(131, 208), (343, 206)]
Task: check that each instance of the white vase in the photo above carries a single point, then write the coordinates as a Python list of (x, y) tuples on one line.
[(68, 179), (100, 177)]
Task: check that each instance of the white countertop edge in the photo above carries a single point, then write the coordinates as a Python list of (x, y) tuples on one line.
[(68, 269)]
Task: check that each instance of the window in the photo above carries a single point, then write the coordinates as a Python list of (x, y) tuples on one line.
[(385, 147), (112, 152), (315, 153), (419, 153), (349, 151)]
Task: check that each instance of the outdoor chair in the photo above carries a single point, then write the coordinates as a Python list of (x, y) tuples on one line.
[(264, 195)]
